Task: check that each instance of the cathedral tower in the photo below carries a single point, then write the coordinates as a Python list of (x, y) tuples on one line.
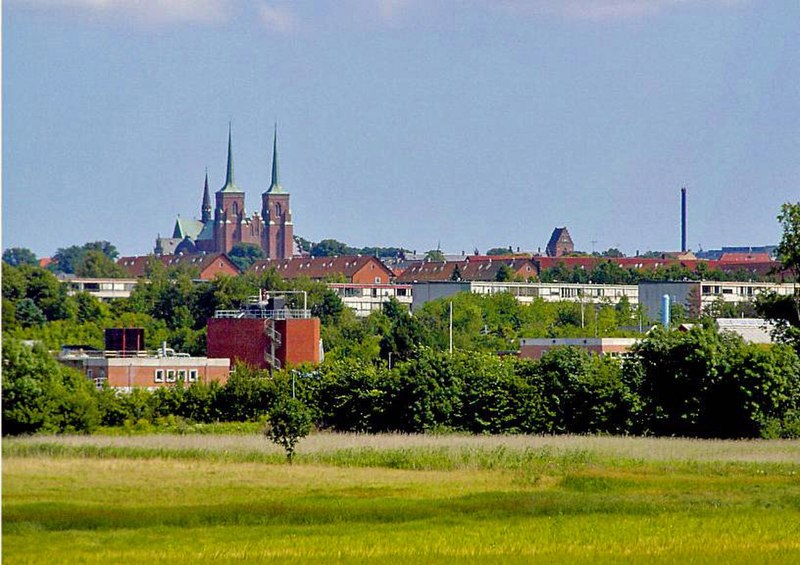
[(230, 209), (278, 242)]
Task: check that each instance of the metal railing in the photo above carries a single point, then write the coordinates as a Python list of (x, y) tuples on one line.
[(263, 313)]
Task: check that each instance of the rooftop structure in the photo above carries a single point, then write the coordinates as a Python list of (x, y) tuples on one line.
[(560, 243)]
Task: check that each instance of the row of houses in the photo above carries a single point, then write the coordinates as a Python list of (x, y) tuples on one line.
[(365, 283), (362, 269)]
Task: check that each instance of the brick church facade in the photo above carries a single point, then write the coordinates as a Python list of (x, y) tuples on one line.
[(227, 224)]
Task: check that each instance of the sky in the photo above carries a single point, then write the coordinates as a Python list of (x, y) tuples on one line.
[(459, 124)]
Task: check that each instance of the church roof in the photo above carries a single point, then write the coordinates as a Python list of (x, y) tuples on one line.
[(207, 232), (187, 228)]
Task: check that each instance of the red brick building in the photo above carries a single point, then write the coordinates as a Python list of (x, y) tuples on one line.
[(560, 243), (265, 334), (359, 269), (153, 371), (218, 230), (209, 266), (250, 340)]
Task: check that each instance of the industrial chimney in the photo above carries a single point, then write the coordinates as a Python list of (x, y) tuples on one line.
[(683, 220)]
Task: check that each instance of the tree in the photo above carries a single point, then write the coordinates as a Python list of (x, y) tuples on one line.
[(39, 394), (789, 247), (785, 310), (613, 252), (289, 422), (434, 255), (499, 251), (96, 264), (245, 254), (16, 256), (67, 259), (331, 247), (504, 274), (29, 314)]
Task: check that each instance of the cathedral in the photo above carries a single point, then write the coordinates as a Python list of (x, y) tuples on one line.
[(227, 224)]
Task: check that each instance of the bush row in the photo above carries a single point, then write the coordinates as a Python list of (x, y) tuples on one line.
[(700, 383)]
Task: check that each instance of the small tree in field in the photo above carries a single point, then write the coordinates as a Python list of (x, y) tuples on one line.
[(289, 422)]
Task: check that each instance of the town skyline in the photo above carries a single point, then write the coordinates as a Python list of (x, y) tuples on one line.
[(403, 124)]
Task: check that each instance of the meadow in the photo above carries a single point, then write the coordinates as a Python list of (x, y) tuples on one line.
[(399, 498)]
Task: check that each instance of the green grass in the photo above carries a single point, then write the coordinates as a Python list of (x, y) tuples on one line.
[(399, 499)]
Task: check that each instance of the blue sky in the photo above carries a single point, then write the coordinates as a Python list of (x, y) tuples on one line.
[(474, 123)]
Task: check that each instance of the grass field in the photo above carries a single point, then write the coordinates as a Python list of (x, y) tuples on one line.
[(405, 499)]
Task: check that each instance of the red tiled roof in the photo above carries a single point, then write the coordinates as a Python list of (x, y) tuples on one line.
[(469, 270), (318, 267), (745, 258), (137, 266)]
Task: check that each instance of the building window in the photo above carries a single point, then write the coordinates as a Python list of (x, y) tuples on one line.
[(159, 376), (377, 280), (192, 375), (170, 375), (182, 375), (401, 292), (90, 373)]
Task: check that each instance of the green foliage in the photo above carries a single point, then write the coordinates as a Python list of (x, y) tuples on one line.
[(612, 252), (68, 259), (27, 313), (499, 251), (40, 395), (94, 263), (434, 255), (789, 246), (705, 384), (289, 422), (504, 274), (330, 248), (245, 254), (16, 256)]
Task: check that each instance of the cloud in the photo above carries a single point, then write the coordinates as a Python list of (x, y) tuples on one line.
[(142, 11), (278, 19), (603, 10)]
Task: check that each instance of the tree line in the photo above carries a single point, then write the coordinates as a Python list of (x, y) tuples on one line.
[(700, 383)]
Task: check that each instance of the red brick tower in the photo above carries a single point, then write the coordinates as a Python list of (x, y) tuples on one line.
[(230, 212), (278, 242)]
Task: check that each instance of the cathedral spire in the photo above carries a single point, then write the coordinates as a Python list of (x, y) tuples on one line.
[(205, 211), (230, 185), (275, 187)]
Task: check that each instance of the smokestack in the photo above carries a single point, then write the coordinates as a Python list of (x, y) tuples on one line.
[(683, 220)]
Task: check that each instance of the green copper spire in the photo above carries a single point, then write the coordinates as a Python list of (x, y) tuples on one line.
[(230, 185), (275, 187)]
